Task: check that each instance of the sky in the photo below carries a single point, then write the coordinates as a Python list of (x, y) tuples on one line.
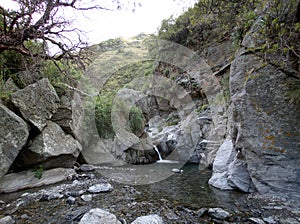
[(100, 25)]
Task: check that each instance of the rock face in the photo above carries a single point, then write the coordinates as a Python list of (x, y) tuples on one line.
[(52, 147), (97, 215), (37, 102), (264, 125), (13, 136), (26, 179)]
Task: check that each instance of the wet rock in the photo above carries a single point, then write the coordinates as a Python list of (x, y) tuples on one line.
[(13, 136), (99, 188), (7, 220), (37, 102), (71, 200), (256, 221), (218, 213), (149, 219), (87, 197), (97, 215), (175, 170), (53, 148), (26, 179), (87, 168)]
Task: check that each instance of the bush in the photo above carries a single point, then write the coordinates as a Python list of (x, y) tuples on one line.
[(136, 120)]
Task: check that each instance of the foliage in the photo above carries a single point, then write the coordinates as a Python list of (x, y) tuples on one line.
[(136, 120), (38, 172), (294, 93)]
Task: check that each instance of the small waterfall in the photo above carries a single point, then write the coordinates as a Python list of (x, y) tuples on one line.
[(158, 153)]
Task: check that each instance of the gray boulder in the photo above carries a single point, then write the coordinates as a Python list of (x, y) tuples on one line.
[(70, 110), (149, 219), (13, 136), (27, 179), (97, 215), (53, 148), (37, 102), (230, 170)]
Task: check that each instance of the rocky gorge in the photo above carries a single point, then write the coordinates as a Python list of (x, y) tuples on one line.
[(220, 118)]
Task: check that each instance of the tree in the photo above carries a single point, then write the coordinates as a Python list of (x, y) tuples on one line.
[(41, 21)]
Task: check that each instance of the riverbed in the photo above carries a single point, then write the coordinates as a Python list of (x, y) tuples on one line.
[(181, 197)]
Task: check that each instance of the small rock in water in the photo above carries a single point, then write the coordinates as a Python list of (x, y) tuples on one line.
[(24, 216), (87, 168), (7, 220), (97, 215), (87, 197), (218, 213), (149, 219), (71, 200), (177, 170), (98, 188)]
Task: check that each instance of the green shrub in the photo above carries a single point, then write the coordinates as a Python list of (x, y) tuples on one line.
[(136, 120)]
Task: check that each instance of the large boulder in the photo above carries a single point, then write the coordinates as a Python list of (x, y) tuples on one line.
[(28, 179), (13, 136), (37, 102), (264, 124), (148, 219), (52, 148), (70, 110), (230, 170)]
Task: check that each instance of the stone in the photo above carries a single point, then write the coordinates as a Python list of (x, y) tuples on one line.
[(13, 136), (9, 87), (7, 220), (52, 148), (37, 102), (256, 220), (201, 212), (218, 213), (87, 197), (87, 168), (97, 215), (26, 179), (175, 170), (100, 188), (149, 219), (71, 200)]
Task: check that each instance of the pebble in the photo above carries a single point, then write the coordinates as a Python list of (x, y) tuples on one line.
[(71, 200), (177, 170), (87, 197), (98, 188), (218, 213)]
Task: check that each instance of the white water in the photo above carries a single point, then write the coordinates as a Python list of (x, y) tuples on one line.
[(158, 153), (161, 160)]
